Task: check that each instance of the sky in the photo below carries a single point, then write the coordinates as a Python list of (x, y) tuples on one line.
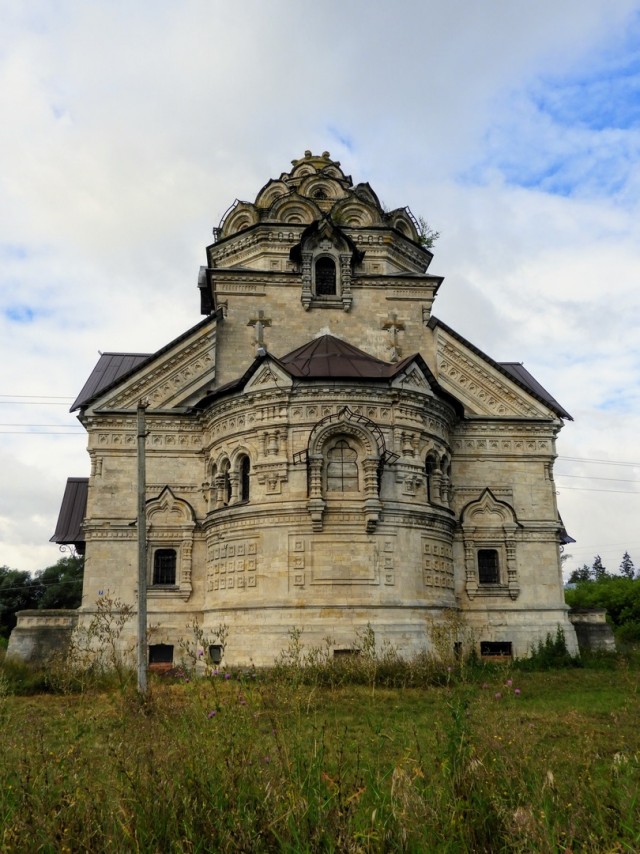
[(513, 129)]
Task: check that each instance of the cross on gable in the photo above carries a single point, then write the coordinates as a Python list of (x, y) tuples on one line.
[(260, 323), (394, 326)]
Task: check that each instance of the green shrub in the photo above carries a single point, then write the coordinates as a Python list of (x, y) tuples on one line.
[(551, 653)]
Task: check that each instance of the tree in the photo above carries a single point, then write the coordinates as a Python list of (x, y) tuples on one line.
[(599, 570), (17, 593), (581, 575), (426, 235), (627, 569), (60, 585)]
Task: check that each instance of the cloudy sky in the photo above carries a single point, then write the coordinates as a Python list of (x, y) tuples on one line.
[(513, 128)]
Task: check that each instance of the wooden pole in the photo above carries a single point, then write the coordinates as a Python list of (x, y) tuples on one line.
[(142, 552)]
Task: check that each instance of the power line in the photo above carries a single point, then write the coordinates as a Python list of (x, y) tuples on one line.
[(584, 476), (598, 461), (586, 489), (41, 433), (41, 396)]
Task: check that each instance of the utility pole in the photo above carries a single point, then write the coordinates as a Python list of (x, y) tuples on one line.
[(142, 552)]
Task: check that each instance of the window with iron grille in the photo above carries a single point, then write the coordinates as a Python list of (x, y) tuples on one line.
[(164, 566), (342, 468), (326, 277), (488, 566)]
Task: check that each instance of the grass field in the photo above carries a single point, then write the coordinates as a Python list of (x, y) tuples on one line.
[(490, 760)]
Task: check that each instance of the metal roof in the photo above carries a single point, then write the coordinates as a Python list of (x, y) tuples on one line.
[(109, 369), (522, 375), (72, 512), (329, 357)]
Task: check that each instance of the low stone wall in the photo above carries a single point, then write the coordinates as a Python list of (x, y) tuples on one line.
[(592, 630), (40, 634)]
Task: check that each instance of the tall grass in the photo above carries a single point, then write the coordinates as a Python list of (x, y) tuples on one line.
[(493, 759)]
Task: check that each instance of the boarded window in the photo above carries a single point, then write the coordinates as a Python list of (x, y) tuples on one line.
[(488, 566), (326, 277), (342, 468), (164, 566)]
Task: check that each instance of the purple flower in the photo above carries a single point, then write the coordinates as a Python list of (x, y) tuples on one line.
[(216, 672), (227, 676), (498, 695), (484, 685), (212, 714), (509, 683), (516, 691)]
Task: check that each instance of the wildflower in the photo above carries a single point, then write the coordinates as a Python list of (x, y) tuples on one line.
[(509, 683), (498, 695), (267, 759), (449, 668), (516, 691), (200, 653), (212, 714), (227, 676), (484, 685), (215, 672)]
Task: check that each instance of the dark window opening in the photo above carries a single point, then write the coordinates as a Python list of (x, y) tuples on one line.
[(215, 653), (245, 467), (488, 567), (345, 653), (496, 648), (164, 566), (160, 653), (342, 468), (227, 487), (430, 467), (457, 649), (326, 277)]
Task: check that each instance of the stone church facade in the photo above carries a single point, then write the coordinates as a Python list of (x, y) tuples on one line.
[(322, 452)]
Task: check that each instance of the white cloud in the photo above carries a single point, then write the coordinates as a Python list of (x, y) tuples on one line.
[(132, 127)]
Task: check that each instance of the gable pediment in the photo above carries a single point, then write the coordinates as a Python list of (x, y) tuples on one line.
[(178, 374), (268, 375), (412, 378), (479, 384)]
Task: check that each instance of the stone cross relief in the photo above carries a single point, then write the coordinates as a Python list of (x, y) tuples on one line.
[(393, 325), (260, 323)]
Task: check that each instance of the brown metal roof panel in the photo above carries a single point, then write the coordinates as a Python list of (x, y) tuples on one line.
[(330, 357), (519, 372), (72, 512), (109, 368)]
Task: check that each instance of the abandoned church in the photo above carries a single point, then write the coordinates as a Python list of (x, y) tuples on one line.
[(322, 452)]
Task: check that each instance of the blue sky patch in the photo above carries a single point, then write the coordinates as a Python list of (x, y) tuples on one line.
[(571, 135), (341, 137), (20, 314)]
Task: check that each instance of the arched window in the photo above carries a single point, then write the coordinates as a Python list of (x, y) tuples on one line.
[(164, 566), (226, 487), (245, 468), (342, 468), (431, 468), (326, 277)]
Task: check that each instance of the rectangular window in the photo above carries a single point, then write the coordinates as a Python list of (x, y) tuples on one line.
[(160, 653), (164, 566), (495, 649), (488, 566)]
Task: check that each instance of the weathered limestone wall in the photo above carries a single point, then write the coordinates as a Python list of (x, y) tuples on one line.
[(40, 634)]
